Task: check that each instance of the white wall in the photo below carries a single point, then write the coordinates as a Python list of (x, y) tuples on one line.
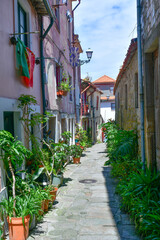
[(106, 111)]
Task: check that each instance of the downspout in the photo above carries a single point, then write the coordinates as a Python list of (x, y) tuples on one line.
[(74, 68), (42, 37), (140, 77), (77, 5)]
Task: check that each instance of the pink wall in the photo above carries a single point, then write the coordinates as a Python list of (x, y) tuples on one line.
[(11, 86), (56, 45)]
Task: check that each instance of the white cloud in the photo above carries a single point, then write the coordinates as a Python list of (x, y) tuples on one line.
[(106, 27)]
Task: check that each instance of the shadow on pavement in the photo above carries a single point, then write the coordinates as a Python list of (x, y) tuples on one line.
[(37, 230), (83, 154), (65, 181), (125, 228)]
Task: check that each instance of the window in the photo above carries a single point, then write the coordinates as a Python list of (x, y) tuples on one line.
[(69, 30), (136, 90), (9, 122), (56, 10), (126, 97), (112, 106), (58, 75), (22, 24), (70, 92), (111, 89), (97, 103)]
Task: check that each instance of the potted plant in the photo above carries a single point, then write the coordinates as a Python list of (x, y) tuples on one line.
[(13, 155), (53, 192), (24, 208), (64, 88), (76, 153)]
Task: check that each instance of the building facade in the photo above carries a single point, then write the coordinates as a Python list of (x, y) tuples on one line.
[(107, 108), (90, 110), (45, 30), (150, 25), (126, 91)]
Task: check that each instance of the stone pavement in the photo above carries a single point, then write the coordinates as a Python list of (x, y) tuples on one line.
[(87, 207)]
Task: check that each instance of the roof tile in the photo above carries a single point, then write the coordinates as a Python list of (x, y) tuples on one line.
[(104, 79)]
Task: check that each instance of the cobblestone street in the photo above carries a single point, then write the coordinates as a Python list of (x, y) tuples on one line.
[(86, 207)]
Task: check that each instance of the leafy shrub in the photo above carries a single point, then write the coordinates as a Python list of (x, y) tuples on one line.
[(140, 192)]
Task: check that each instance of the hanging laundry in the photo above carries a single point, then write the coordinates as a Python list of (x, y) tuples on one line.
[(31, 63), (25, 63), (21, 58)]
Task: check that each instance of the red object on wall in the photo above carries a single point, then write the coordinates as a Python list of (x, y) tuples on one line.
[(103, 136), (31, 63)]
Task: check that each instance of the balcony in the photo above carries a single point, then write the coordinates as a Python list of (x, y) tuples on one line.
[(42, 7)]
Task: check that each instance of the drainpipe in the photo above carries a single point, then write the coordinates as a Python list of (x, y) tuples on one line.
[(74, 68), (77, 5), (140, 77), (42, 37)]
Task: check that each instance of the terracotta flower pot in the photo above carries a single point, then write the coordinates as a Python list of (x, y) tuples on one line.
[(62, 93), (46, 204), (53, 194), (42, 209), (76, 160), (81, 147), (18, 231)]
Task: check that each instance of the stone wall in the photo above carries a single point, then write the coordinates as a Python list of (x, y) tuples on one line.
[(151, 71), (150, 16), (127, 111)]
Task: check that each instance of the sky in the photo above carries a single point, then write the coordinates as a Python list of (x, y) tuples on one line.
[(107, 27)]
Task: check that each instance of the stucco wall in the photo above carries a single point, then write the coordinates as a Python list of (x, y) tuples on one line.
[(106, 111), (57, 46), (11, 85)]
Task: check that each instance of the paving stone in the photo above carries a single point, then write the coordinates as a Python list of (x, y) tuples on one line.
[(97, 237), (87, 211)]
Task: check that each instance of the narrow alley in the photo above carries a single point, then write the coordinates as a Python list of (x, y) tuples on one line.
[(87, 207)]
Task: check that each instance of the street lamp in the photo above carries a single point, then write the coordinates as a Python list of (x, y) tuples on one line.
[(89, 56)]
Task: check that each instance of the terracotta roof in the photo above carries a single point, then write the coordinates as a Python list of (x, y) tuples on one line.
[(111, 98), (88, 84), (130, 53), (104, 79)]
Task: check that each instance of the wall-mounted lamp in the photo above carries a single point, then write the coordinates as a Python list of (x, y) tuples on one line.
[(69, 16), (89, 53)]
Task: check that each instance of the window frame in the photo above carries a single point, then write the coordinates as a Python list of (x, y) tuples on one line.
[(57, 14), (27, 8), (70, 92), (58, 75), (113, 108), (22, 13)]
